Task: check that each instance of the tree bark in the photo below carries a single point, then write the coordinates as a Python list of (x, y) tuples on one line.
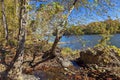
[(5, 25), (61, 33), (18, 59), (14, 70)]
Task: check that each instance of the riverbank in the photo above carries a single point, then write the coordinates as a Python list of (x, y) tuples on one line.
[(101, 27), (82, 66)]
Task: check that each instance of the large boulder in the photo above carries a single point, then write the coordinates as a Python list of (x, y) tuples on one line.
[(99, 55)]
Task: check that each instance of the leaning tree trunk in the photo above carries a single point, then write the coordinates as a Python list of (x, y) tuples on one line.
[(59, 34), (16, 72), (4, 20)]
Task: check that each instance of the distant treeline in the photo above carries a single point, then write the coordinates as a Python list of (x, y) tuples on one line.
[(103, 27)]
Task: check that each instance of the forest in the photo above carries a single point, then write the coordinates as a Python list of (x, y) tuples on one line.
[(111, 26), (26, 49)]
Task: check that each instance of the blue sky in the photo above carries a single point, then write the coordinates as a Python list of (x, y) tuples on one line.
[(85, 16)]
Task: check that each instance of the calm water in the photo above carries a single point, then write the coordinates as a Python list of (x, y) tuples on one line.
[(81, 42)]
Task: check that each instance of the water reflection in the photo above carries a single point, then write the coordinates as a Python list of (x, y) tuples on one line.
[(85, 41)]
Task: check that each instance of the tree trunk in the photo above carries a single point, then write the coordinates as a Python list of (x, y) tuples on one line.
[(20, 19), (4, 20), (61, 33), (57, 39), (14, 70), (18, 59)]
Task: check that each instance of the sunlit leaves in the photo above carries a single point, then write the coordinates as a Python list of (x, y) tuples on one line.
[(45, 21), (104, 27), (29, 7)]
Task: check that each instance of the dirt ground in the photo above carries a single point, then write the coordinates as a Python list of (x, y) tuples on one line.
[(52, 69)]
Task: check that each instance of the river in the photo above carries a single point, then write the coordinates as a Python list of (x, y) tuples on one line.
[(85, 41)]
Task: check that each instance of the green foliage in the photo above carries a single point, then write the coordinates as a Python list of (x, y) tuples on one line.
[(115, 49), (74, 30), (45, 15), (95, 28), (68, 51), (57, 7), (12, 13), (11, 17), (106, 27), (109, 49), (12, 42)]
